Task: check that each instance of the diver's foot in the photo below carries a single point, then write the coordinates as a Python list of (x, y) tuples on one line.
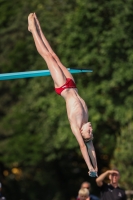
[(92, 174), (37, 22), (31, 22)]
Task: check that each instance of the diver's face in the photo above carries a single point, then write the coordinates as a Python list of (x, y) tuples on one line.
[(86, 130)]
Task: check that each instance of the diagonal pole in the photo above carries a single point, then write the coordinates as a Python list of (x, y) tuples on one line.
[(37, 73)]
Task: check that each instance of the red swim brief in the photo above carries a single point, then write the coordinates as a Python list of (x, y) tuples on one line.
[(69, 84)]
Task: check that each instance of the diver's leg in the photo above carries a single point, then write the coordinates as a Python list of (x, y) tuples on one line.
[(56, 72), (63, 68)]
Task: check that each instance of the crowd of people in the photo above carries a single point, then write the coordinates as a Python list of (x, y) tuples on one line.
[(108, 191), (84, 192)]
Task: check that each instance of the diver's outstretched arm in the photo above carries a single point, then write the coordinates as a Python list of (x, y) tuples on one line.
[(92, 154), (84, 151)]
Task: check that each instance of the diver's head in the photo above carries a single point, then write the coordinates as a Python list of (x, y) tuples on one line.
[(86, 131)]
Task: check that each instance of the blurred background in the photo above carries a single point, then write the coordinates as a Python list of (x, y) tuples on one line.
[(39, 156)]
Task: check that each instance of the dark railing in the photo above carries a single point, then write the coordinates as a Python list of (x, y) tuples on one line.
[(129, 194)]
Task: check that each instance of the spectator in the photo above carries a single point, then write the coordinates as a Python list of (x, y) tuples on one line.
[(111, 191), (83, 194), (87, 185)]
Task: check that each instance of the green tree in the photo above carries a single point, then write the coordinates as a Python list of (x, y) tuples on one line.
[(123, 158), (38, 151)]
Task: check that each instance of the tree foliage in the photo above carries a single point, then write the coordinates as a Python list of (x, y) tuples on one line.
[(123, 155), (38, 151)]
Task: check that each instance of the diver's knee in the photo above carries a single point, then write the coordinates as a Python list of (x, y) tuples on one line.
[(46, 54)]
